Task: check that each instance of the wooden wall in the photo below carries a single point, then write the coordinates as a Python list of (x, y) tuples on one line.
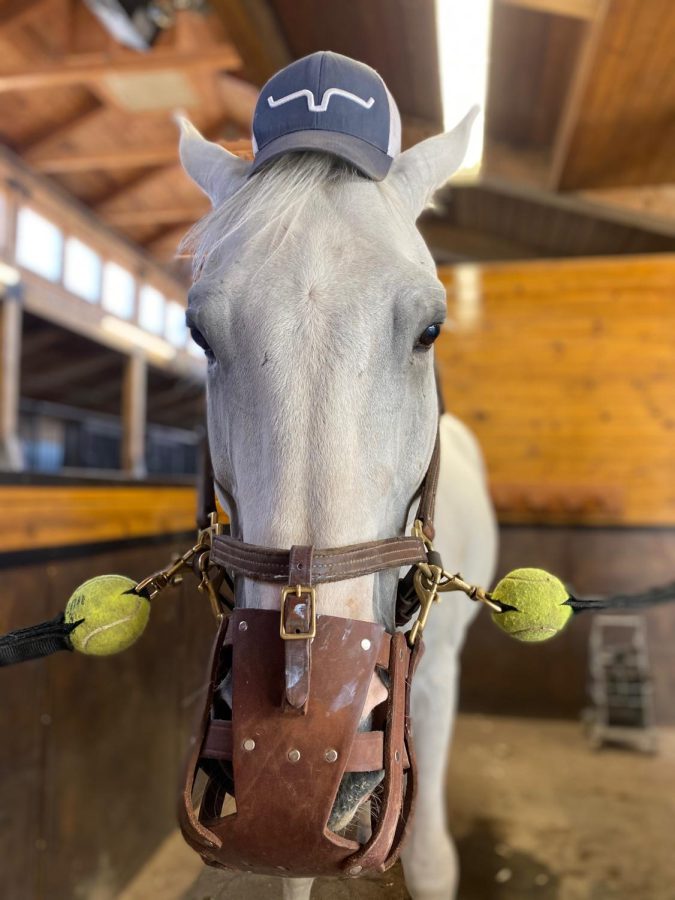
[(91, 748), (57, 514), (566, 373)]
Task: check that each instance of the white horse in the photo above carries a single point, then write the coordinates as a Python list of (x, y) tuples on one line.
[(313, 297)]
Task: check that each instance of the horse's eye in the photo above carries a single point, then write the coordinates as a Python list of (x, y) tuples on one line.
[(201, 341), (428, 336)]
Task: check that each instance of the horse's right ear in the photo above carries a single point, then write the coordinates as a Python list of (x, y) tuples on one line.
[(212, 168)]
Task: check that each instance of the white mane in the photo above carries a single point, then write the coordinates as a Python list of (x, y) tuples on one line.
[(281, 190)]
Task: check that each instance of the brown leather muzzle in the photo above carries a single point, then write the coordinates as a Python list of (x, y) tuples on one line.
[(285, 768)]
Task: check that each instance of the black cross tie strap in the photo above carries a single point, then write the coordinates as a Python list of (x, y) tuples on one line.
[(36, 641)]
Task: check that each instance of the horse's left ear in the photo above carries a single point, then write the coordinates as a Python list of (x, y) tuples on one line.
[(212, 168), (420, 171)]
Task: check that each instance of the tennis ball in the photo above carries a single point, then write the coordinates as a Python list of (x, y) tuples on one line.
[(539, 605), (112, 615)]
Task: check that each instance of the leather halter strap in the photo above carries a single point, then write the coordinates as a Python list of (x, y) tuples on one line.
[(337, 563)]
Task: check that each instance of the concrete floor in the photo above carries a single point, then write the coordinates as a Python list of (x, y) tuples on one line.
[(536, 816)]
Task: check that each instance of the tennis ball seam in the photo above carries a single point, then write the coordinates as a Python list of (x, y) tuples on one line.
[(102, 628)]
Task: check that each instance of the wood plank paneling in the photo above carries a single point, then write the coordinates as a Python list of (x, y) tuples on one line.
[(532, 58), (57, 516), (91, 748), (24, 730), (625, 133), (566, 373)]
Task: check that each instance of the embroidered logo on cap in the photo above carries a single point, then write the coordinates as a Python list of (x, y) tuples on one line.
[(325, 100)]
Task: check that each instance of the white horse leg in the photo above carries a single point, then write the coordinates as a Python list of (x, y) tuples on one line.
[(297, 888), (429, 856)]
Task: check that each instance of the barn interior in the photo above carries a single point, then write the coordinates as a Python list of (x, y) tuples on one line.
[(556, 246)]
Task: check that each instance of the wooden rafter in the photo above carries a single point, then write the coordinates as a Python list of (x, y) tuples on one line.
[(569, 115), (257, 35), (576, 9), (586, 204), (49, 375), (653, 205), (121, 158), (449, 243), (92, 68), (15, 12), (126, 218), (166, 244), (128, 190)]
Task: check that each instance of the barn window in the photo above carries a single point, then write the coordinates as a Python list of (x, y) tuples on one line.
[(39, 244), (119, 289), (176, 331), (82, 271), (151, 312)]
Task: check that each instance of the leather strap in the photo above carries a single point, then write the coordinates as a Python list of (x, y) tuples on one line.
[(297, 612), (335, 564), (366, 754), (425, 510), (206, 494), (373, 854)]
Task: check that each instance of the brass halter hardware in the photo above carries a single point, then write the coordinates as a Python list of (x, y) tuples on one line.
[(431, 580), (298, 590), (210, 584)]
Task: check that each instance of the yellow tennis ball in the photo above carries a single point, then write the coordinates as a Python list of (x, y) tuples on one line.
[(539, 605), (112, 615)]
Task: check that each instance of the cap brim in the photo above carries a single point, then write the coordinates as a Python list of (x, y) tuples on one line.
[(365, 157)]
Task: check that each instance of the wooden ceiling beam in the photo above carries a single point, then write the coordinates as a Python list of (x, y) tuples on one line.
[(120, 158), (165, 245), (450, 243), (51, 376), (92, 68), (43, 145), (585, 204), (239, 98), (130, 188), (16, 12), (128, 218), (569, 115), (576, 9), (653, 205), (257, 35)]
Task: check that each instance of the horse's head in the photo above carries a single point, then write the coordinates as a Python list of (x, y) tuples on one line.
[(317, 303)]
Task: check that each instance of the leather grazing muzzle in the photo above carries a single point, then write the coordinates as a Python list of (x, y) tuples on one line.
[(285, 770), (275, 759)]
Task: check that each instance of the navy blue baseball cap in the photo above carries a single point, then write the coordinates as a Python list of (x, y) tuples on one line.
[(331, 103)]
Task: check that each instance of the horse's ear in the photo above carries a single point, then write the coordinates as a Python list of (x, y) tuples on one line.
[(420, 171), (212, 168)]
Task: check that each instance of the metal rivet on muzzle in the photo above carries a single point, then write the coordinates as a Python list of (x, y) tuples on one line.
[(365, 643), (330, 755), (397, 756), (293, 756), (355, 870), (243, 626), (248, 745)]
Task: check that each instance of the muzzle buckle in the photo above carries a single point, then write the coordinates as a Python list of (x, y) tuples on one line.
[(298, 591)]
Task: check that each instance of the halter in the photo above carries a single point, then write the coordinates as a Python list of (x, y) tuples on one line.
[(274, 760)]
